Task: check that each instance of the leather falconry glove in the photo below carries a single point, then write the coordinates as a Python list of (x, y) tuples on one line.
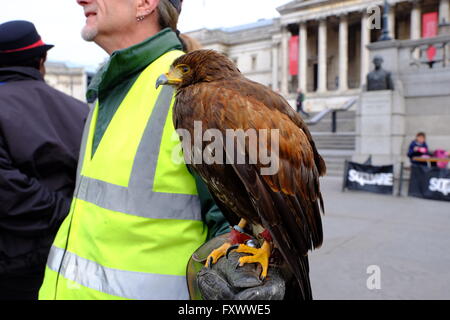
[(226, 280)]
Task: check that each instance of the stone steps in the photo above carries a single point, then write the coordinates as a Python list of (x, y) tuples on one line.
[(334, 141), (336, 147), (334, 160)]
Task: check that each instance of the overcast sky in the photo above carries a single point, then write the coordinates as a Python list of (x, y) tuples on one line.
[(59, 22)]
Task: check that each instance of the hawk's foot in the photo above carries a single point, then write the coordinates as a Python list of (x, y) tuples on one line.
[(216, 254), (258, 255)]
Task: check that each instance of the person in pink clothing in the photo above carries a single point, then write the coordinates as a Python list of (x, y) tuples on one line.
[(441, 153)]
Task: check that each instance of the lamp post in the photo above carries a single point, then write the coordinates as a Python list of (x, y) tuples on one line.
[(385, 33)]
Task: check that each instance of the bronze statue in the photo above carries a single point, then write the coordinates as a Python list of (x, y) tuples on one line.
[(379, 79)]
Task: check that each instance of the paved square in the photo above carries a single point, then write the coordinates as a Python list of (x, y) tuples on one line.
[(408, 238)]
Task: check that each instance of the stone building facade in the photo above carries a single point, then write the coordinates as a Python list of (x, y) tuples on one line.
[(70, 80), (333, 58), (249, 46)]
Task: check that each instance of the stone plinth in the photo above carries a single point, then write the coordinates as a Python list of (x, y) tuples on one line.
[(380, 127)]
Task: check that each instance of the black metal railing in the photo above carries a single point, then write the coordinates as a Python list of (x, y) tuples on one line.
[(322, 114)]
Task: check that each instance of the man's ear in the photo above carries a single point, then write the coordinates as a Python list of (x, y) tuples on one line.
[(146, 7), (42, 64)]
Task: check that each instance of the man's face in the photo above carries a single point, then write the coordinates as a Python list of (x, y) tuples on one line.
[(420, 139), (107, 17), (377, 62)]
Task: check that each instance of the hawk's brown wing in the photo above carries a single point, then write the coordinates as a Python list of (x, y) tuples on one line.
[(286, 203)]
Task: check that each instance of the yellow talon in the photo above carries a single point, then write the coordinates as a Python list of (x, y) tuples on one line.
[(260, 256), (216, 254)]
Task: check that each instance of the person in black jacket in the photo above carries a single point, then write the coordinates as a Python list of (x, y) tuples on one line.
[(40, 136)]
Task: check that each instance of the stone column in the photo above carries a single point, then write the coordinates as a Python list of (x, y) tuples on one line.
[(365, 40), (343, 53), (391, 22), (275, 66), (303, 59), (284, 61), (415, 21), (444, 11), (444, 22), (322, 56)]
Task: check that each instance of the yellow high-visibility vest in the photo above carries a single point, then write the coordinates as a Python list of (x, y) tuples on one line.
[(135, 219)]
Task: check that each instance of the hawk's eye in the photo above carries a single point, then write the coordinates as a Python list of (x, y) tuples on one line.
[(184, 68)]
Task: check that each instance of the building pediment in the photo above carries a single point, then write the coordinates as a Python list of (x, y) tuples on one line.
[(306, 10)]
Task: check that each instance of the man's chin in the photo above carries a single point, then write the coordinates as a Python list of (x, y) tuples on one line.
[(89, 33)]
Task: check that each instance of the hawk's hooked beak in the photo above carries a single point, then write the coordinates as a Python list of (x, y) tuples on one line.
[(169, 78)]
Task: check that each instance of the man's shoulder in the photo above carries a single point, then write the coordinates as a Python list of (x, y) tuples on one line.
[(46, 87), (34, 91), (17, 89), (380, 71)]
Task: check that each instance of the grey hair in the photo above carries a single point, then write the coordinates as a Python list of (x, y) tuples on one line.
[(167, 15), (168, 18)]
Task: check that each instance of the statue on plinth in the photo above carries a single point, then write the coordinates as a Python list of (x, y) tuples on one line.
[(379, 79)]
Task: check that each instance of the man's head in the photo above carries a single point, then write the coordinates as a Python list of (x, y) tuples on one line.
[(118, 24), (378, 61), (420, 137), (21, 46)]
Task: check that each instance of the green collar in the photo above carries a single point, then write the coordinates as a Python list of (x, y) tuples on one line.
[(126, 62)]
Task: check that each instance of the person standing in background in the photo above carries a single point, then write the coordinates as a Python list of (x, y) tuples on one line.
[(300, 99), (40, 136)]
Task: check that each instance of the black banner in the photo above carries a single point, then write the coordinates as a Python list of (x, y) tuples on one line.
[(429, 183), (378, 179)]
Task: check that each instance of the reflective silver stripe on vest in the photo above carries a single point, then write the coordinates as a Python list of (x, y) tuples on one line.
[(137, 197), (84, 139), (146, 159), (120, 283), (142, 203)]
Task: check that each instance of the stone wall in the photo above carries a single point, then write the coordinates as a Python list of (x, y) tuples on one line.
[(254, 60), (430, 115)]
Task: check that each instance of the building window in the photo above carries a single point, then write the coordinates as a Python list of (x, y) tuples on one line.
[(254, 62)]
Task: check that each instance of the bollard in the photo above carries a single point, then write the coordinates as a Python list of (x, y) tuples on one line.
[(400, 182)]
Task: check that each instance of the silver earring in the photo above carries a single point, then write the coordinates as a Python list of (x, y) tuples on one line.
[(140, 18)]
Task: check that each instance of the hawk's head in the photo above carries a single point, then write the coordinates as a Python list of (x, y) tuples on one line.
[(199, 66)]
